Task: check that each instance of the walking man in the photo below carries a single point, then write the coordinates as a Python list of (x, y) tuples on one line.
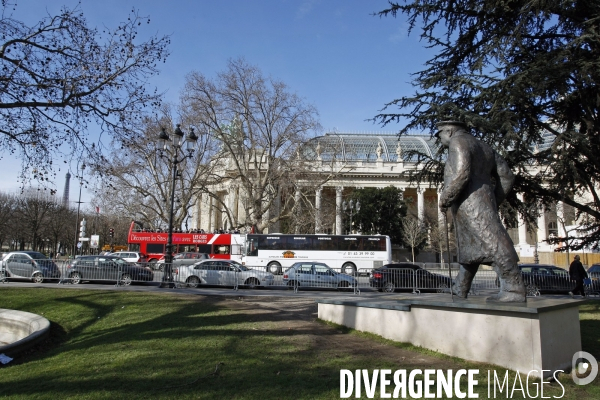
[(476, 180), (578, 274)]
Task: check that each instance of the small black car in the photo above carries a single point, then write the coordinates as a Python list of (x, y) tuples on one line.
[(543, 278), (106, 268), (407, 276)]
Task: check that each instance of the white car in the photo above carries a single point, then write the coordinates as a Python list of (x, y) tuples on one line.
[(222, 272), (130, 256)]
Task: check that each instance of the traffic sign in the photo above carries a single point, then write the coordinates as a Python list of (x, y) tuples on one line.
[(79, 244)]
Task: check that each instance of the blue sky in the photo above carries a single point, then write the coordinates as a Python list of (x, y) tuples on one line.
[(333, 53)]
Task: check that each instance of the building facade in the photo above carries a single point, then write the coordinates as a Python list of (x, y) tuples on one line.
[(369, 160)]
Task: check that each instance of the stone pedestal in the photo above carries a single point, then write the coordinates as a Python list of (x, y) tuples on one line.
[(542, 334)]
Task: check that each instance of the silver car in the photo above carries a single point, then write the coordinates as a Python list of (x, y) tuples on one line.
[(316, 274), (222, 272), (30, 265)]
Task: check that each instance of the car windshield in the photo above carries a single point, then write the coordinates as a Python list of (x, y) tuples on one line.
[(238, 265), (37, 256), (178, 256)]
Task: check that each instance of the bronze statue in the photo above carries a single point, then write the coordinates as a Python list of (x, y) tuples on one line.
[(476, 181)]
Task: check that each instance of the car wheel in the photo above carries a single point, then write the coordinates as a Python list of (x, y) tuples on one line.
[(531, 290), (252, 283), (126, 279), (349, 268), (193, 281), (75, 278), (389, 287), (274, 267), (292, 284), (442, 287), (37, 277)]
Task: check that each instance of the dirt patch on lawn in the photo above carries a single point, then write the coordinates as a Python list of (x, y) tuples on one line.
[(286, 315)]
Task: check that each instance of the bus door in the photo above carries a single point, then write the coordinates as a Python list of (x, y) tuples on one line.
[(237, 247)]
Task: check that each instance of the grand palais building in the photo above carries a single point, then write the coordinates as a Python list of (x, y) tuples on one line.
[(379, 161)]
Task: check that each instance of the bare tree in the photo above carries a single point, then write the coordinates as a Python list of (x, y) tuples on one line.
[(413, 233), (259, 126), (7, 209), (33, 209), (60, 76), (138, 176), (60, 227)]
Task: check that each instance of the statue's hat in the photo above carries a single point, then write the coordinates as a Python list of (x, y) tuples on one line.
[(443, 124)]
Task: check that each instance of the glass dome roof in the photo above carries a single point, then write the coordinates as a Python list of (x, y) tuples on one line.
[(366, 147)]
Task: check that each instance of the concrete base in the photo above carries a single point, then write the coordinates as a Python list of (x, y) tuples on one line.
[(20, 330), (542, 334)]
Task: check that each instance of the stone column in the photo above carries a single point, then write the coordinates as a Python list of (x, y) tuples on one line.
[(560, 219), (196, 213), (338, 210), (542, 227), (318, 194), (276, 226), (297, 211), (234, 193), (211, 215), (441, 220), (421, 205), (522, 226)]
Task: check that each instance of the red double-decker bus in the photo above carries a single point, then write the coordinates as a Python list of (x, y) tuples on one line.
[(217, 245)]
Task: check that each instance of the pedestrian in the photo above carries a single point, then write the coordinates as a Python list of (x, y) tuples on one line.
[(476, 180), (577, 274)]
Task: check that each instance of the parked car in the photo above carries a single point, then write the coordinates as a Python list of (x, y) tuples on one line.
[(131, 256), (407, 276), (593, 288), (316, 274), (594, 271), (184, 258), (544, 278), (222, 272), (106, 268), (30, 265)]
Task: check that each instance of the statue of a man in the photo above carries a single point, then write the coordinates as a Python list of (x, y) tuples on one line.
[(476, 181)]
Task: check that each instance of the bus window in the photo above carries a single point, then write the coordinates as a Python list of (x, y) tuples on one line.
[(374, 244), (155, 248), (325, 243), (134, 247), (205, 248), (272, 242), (299, 243), (252, 247), (221, 249), (350, 243)]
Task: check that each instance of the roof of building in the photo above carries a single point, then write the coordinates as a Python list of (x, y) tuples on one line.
[(368, 147)]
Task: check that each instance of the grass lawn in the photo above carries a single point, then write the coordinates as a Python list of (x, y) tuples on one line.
[(114, 344)]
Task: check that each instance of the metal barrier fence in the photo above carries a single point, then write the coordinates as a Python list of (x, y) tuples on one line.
[(105, 270)]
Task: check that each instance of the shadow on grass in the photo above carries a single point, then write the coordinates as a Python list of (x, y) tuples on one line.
[(158, 350), (135, 345)]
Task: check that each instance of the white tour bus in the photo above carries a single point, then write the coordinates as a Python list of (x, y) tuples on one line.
[(350, 254)]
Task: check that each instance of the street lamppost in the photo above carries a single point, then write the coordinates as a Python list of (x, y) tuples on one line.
[(350, 206), (176, 141), (78, 208)]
